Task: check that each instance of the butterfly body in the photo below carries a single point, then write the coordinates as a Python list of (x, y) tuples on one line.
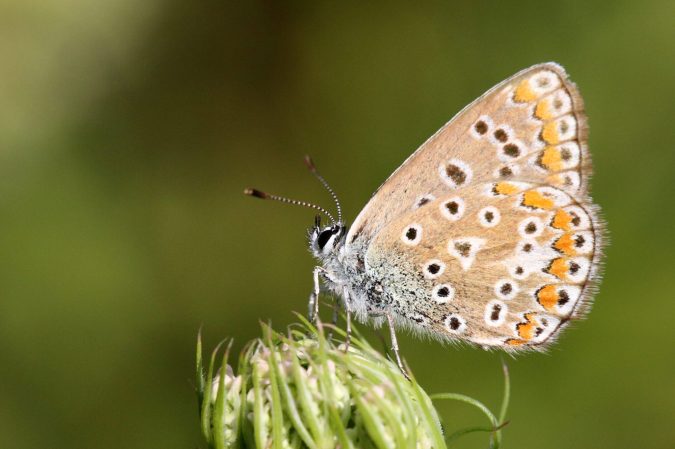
[(486, 234)]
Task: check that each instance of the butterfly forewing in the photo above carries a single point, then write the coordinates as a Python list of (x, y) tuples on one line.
[(486, 233)]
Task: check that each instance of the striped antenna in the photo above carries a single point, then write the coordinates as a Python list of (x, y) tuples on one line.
[(267, 196), (310, 164)]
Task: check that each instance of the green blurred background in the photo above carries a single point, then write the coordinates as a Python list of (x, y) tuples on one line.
[(129, 129)]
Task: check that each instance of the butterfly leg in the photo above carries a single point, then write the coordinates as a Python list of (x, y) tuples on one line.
[(314, 296), (348, 309), (394, 344)]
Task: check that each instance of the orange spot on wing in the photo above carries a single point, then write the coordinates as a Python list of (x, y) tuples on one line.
[(527, 329), (561, 220), (565, 244), (534, 199), (515, 342), (559, 268), (505, 188), (524, 92), (550, 133), (547, 296), (551, 159), (543, 110)]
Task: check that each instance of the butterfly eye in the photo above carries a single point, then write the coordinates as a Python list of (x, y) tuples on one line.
[(325, 236)]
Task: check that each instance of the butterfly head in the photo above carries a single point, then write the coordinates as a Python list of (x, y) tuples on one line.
[(325, 240)]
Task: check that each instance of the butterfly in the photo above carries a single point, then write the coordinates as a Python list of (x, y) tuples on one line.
[(486, 234)]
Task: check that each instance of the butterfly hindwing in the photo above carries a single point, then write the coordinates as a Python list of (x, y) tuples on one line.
[(509, 270)]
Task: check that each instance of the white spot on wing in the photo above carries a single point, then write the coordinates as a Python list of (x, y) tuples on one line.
[(569, 181), (463, 170), (530, 227), (443, 293), (433, 265), (544, 82), (506, 289), (496, 130), (455, 324), (488, 122), (578, 269), (489, 217), (548, 324), (570, 154), (567, 128), (412, 234), (464, 250), (455, 205), (580, 218), (558, 103), (495, 307)]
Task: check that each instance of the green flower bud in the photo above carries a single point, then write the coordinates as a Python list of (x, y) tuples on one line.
[(302, 390)]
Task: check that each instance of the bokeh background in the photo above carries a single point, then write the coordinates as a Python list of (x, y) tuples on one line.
[(129, 129)]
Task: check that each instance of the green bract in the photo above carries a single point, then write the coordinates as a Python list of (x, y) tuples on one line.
[(303, 390)]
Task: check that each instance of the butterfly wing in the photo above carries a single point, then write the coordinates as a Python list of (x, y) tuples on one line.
[(480, 144), (497, 269), (486, 232)]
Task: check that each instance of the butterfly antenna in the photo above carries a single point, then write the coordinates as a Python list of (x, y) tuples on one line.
[(310, 164), (267, 196)]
